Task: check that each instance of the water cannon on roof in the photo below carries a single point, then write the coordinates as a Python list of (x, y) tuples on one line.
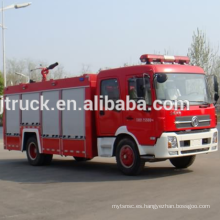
[(45, 70), (164, 59)]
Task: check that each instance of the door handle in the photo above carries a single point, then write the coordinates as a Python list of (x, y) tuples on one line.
[(129, 118), (102, 113)]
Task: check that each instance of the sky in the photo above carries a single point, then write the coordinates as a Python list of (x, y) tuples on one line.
[(101, 33)]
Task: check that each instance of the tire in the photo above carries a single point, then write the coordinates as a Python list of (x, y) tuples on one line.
[(128, 158), (81, 159), (33, 155), (47, 159), (183, 162)]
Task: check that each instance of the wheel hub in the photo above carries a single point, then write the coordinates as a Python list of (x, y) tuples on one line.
[(32, 151), (127, 156)]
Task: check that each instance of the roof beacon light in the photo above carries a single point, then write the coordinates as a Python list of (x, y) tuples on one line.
[(164, 59), (169, 58)]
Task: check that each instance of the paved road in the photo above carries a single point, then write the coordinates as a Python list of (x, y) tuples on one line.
[(70, 190)]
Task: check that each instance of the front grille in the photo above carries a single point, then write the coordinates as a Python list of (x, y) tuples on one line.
[(194, 151), (186, 121)]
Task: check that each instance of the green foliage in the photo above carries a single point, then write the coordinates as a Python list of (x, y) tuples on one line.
[(203, 55), (1, 84)]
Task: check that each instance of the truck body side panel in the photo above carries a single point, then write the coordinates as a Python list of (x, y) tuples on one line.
[(30, 117), (50, 119), (63, 132), (73, 121), (13, 117)]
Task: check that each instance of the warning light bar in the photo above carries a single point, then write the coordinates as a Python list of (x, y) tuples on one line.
[(151, 59)]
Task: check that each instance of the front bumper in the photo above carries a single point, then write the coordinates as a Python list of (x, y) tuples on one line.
[(188, 144)]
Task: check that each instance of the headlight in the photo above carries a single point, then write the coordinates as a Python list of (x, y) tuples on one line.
[(215, 137), (172, 142)]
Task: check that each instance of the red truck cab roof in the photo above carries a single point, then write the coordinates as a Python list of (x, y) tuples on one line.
[(156, 68)]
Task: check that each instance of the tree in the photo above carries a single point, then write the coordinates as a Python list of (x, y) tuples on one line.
[(1, 84), (57, 73), (1, 93), (86, 68), (25, 66), (203, 55)]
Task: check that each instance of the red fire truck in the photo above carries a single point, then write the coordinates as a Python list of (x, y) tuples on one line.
[(133, 137)]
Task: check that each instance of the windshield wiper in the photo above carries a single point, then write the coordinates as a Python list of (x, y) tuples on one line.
[(203, 104)]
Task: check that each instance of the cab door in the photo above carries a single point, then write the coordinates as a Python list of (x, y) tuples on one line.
[(140, 122), (109, 120)]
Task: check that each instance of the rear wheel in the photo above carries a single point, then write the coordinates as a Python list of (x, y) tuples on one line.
[(183, 162), (128, 157), (33, 154)]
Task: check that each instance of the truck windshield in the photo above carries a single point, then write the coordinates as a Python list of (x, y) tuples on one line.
[(182, 86)]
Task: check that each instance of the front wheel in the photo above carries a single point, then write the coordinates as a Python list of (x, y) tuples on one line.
[(183, 162), (128, 157)]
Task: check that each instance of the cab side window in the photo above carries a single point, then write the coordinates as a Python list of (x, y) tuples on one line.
[(110, 88), (138, 89)]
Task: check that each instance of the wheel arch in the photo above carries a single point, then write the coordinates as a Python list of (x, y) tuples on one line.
[(121, 133), (119, 138), (26, 134)]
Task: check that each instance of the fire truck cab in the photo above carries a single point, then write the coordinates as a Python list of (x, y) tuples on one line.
[(132, 136)]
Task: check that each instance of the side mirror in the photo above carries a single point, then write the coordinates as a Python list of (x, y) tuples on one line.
[(161, 78), (216, 96)]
